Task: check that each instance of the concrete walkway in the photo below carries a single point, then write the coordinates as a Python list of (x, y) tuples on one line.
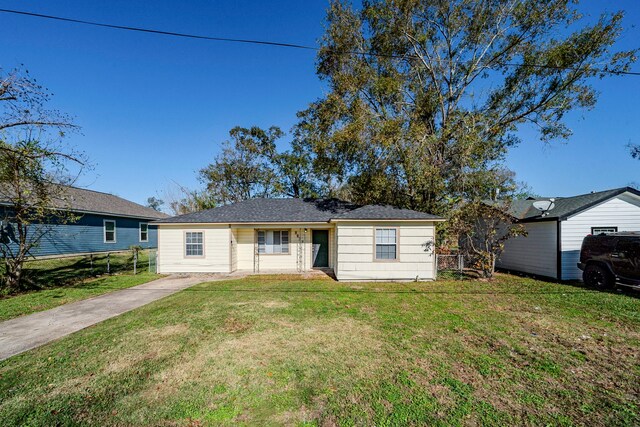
[(27, 332)]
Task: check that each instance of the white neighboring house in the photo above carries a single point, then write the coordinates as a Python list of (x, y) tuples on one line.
[(286, 235), (552, 246)]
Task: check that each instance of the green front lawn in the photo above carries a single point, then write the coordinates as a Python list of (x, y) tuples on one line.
[(277, 350), (64, 280), (34, 301), (55, 272)]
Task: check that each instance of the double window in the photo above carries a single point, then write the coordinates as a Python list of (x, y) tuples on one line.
[(194, 243), (603, 230), (109, 227), (386, 244), (144, 232), (273, 241)]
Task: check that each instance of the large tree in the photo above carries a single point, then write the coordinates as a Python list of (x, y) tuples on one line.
[(155, 203), (36, 168), (182, 200), (250, 165), (426, 96)]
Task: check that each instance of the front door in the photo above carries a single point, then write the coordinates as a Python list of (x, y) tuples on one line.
[(320, 240)]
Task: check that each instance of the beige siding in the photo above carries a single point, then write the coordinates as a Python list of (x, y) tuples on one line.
[(246, 252), (245, 248), (171, 250), (351, 251), (263, 263), (234, 249), (356, 252), (534, 254), (622, 212)]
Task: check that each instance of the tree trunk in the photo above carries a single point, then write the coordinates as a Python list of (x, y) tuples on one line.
[(13, 274), (493, 264)]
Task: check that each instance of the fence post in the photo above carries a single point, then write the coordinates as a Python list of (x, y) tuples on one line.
[(135, 262), (108, 263), (91, 263), (435, 276)]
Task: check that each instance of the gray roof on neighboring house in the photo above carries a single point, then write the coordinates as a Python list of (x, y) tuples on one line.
[(296, 210), (81, 200), (564, 206)]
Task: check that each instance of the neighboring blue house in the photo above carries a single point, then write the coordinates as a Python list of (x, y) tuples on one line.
[(106, 223)]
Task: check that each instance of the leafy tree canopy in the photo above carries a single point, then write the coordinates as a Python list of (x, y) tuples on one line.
[(251, 166), (155, 203), (425, 97)]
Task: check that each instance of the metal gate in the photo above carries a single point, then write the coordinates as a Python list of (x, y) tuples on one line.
[(153, 261), (449, 267)]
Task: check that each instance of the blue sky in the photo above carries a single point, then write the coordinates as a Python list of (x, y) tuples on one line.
[(155, 109)]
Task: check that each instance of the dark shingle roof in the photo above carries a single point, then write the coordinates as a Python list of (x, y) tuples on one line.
[(385, 212), (84, 201), (564, 206), (295, 210)]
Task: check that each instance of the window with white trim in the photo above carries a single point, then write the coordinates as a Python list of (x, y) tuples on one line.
[(194, 243), (603, 230), (386, 243), (273, 241), (144, 232), (109, 231)]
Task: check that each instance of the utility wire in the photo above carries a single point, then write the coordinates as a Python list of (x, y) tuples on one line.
[(147, 30), (278, 44)]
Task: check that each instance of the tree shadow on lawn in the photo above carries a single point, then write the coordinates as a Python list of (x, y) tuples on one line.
[(576, 284), (531, 285), (81, 268), (616, 290), (402, 291), (65, 273)]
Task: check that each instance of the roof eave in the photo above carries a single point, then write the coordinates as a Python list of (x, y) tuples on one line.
[(161, 222), (81, 211), (600, 200), (334, 220), (538, 219), (388, 219)]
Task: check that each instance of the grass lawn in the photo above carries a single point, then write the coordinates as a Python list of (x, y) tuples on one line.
[(282, 350), (64, 280)]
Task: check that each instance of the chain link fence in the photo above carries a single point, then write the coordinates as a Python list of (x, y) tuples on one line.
[(153, 261), (450, 267), (70, 269)]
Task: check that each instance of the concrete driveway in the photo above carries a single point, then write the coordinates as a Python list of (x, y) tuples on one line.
[(27, 332)]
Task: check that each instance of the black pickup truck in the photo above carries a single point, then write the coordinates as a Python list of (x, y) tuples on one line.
[(607, 259)]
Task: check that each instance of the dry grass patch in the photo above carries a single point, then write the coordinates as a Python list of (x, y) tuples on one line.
[(234, 325), (279, 363), (148, 343), (275, 304)]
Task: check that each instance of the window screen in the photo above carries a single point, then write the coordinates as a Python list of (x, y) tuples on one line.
[(109, 231), (273, 241), (194, 243), (144, 232), (386, 243)]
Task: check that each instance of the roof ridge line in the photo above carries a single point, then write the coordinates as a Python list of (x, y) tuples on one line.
[(611, 190)]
